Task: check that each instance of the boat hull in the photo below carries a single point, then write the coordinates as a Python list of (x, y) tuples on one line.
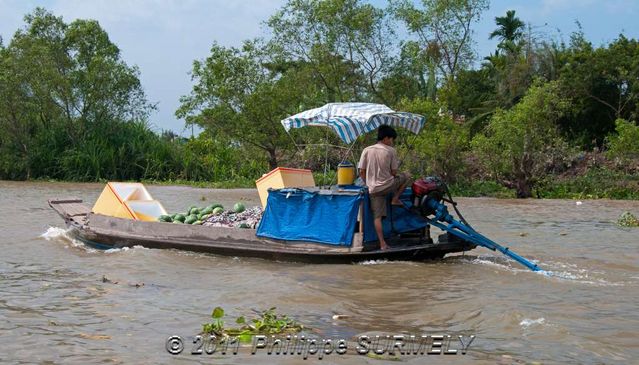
[(108, 232)]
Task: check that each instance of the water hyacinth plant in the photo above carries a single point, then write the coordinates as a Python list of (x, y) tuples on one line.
[(268, 322), (627, 219)]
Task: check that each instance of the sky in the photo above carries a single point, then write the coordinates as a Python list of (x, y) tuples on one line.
[(164, 37)]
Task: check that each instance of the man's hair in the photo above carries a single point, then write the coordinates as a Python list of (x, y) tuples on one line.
[(386, 131)]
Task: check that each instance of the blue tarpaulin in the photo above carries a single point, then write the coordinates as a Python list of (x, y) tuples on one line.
[(398, 219), (301, 215)]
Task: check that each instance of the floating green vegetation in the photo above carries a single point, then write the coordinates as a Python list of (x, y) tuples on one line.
[(267, 322), (627, 219)]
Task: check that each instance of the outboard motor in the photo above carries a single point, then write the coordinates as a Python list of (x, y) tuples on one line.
[(428, 188), (429, 197)]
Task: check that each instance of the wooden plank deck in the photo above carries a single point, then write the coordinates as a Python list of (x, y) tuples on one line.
[(69, 207)]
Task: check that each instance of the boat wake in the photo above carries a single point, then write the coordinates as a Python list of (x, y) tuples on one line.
[(556, 270), (386, 262), (62, 234), (373, 262), (124, 249)]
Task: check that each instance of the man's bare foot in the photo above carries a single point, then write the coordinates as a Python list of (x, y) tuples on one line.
[(383, 246)]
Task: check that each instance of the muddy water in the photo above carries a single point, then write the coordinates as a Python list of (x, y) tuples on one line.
[(56, 309)]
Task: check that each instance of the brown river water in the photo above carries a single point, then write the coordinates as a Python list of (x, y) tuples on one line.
[(55, 307)]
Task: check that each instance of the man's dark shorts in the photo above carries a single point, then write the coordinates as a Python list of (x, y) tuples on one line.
[(378, 199)]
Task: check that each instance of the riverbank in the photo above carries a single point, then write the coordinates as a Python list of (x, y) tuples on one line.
[(593, 184)]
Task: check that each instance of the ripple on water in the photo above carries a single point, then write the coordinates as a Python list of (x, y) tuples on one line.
[(58, 234), (563, 271), (56, 301), (527, 322)]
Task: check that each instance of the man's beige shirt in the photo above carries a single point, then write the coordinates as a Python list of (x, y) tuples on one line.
[(378, 160)]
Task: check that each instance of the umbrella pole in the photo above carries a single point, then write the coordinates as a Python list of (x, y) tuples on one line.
[(409, 144), (298, 149), (326, 156)]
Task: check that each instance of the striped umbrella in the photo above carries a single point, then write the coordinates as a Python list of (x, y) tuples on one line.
[(351, 120)]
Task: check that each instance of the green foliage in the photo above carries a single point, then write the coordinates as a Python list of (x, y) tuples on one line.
[(472, 95), (604, 84), (321, 179), (217, 325), (597, 183), (625, 143), (510, 29), (72, 109), (627, 219), (439, 150), (63, 85), (344, 44), (236, 96), (444, 29), (518, 142), (268, 322)]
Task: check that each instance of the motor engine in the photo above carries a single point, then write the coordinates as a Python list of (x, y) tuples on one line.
[(429, 197), (426, 188)]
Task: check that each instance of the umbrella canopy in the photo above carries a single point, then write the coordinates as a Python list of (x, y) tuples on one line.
[(351, 120)]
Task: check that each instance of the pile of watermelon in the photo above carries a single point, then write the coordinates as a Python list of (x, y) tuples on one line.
[(195, 215), (248, 218)]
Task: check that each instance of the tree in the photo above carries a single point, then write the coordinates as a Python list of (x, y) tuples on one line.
[(413, 75), (509, 30), (60, 84), (345, 43), (241, 94), (624, 143), (604, 84), (518, 143), (444, 28), (472, 94), (439, 149)]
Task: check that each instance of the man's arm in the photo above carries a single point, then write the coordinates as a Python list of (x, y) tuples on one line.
[(363, 161), (394, 163)]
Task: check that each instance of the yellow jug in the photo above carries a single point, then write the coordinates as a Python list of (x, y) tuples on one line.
[(345, 173)]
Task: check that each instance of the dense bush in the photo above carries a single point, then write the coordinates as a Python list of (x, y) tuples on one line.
[(519, 142), (624, 144)]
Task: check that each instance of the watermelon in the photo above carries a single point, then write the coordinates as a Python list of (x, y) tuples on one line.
[(190, 219), (207, 210), (194, 210), (197, 222), (177, 222), (238, 208), (179, 217), (218, 210), (165, 218), (243, 225)]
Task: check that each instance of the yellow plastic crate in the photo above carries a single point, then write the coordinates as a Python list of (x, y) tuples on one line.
[(283, 177), (128, 200)]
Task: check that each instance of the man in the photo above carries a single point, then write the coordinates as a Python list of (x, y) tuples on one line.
[(378, 169)]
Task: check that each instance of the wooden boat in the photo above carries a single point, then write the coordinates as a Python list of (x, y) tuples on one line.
[(105, 232)]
